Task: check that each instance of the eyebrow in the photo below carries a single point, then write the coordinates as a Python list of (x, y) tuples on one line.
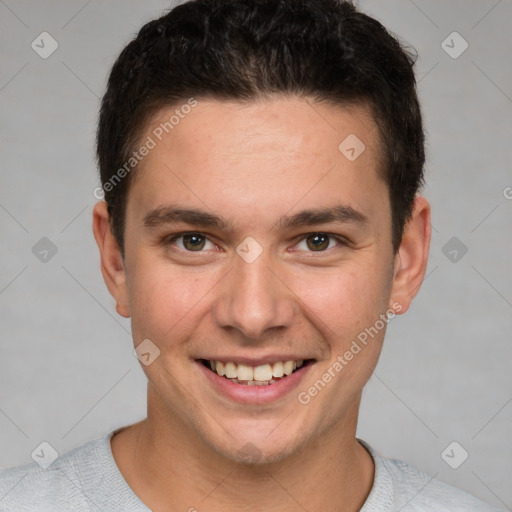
[(338, 213), (172, 214)]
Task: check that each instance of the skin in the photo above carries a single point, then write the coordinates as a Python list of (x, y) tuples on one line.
[(252, 164)]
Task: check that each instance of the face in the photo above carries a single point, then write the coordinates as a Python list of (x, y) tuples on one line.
[(253, 241)]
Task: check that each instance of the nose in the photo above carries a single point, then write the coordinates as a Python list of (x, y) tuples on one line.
[(253, 299)]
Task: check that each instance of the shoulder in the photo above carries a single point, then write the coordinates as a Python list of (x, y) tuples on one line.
[(31, 487), (428, 493), (83, 479), (400, 486)]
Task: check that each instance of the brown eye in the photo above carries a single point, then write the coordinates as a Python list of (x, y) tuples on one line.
[(318, 241), (193, 242)]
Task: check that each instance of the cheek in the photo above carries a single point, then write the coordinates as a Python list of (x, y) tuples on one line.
[(346, 299), (164, 302), (346, 306)]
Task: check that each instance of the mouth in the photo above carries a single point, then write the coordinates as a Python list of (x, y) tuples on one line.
[(261, 375)]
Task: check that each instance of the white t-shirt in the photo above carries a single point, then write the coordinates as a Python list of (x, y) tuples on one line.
[(88, 479)]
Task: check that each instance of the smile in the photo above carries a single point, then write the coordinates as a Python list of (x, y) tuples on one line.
[(255, 381), (262, 375)]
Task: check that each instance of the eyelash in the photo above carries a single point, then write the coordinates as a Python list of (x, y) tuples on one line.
[(341, 241)]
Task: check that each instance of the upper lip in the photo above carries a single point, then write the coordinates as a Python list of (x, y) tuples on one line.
[(251, 361)]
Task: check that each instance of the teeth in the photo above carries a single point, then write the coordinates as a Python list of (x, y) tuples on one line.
[(261, 383), (253, 382), (278, 370), (230, 370), (245, 372), (255, 376), (288, 367), (263, 372), (219, 367)]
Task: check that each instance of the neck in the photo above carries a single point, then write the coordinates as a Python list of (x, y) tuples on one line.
[(165, 463)]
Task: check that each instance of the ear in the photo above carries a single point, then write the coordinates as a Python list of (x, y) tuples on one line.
[(112, 264), (412, 256)]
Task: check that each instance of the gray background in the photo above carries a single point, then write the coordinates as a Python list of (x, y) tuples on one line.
[(67, 372)]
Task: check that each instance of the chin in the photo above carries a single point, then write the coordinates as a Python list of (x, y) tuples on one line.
[(257, 450), (250, 455)]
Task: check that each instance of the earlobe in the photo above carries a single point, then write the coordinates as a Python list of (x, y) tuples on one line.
[(412, 256), (112, 264)]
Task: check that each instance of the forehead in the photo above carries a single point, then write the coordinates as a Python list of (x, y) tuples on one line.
[(253, 155), (261, 124)]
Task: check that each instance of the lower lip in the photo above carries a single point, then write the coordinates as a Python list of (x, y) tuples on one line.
[(255, 394)]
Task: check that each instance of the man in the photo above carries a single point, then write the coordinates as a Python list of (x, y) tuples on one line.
[(261, 162)]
